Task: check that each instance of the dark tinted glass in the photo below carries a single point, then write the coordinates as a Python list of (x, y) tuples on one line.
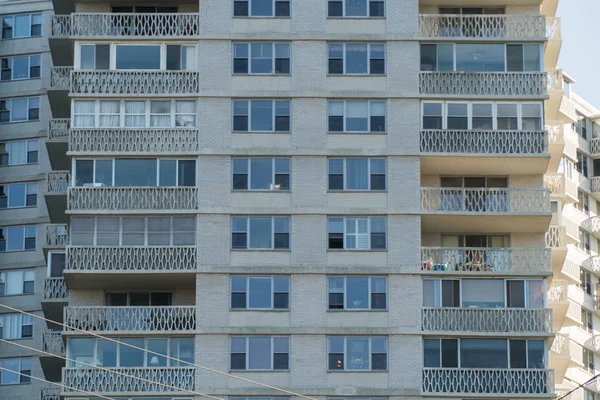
[(377, 241), (240, 65), (336, 240), (514, 57), (102, 56), (336, 301), (378, 124), (173, 57), (335, 9), (238, 361), (377, 67), (336, 361), (378, 301), (518, 354), (281, 300), (238, 300), (240, 123), (379, 361), (238, 240), (240, 8), (336, 66), (281, 361), (428, 57), (282, 8), (376, 9), (449, 353), (336, 124)]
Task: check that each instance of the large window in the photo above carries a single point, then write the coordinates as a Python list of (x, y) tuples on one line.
[(585, 278), (261, 115), (583, 204), (260, 292), (260, 233), (261, 173), (146, 172), (17, 238), (139, 299), (20, 109), (16, 326), (355, 353), (356, 8), (588, 360), (580, 126), (134, 114), (357, 233), (261, 8), (20, 67), (19, 152), (21, 25), (357, 116), (57, 261), (176, 57), (261, 58), (582, 163), (19, 365), (16, 195), (587, 320), (357, 174), (356, 58), (357, 292), (108, 354), (133, 231), (15, 282), (264, 353)]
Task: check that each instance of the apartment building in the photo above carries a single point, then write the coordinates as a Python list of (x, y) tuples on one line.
[(206, 203)]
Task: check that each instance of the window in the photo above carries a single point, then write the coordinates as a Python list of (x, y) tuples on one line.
[(355, 353), (264, 233), (583, 204), (17, 282), (587, 321), (15, 195), (16, 326), (56, 262), (356, 8), (20, 109), (133, 231), (20, 67), (176, 57), (586, 281), (20, 365), (146, 172), (21, 25), (356, 59), (580, 126), (357, 293), (265, 353), (588, 395), (139, 299), (357, 116), (357, 174), (17, 238), (357, 233), (134, 114), (260, 292), (261, 8), (261, 115), (261, 58), (588, 360), (582, 164), (584, 241), (261, 174)]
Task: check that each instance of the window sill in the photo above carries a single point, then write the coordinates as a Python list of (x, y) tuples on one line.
[(260, 17), (357, 75), (357, 18), (340, 311), (263, 132), (260, 191), (252, 75), (357, 251), (19, 122), (273, 310), (18, 165), (20, 80), (269, 250), (350, 371), (6, 296), (17, 251), (357, 133), (259, 370), (357, 191)]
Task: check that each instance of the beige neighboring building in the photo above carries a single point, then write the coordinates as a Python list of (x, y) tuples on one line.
[(342, 198)]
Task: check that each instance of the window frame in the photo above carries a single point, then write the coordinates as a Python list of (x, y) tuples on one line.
[(368, 16), (24, 321), (248, 116), (24, 274), (345, 354), (11, 67), (273, 233), (29, 143), (370, 174), (31, 103), (21, 378), (272, 352), (369, 233), (249, 174), (249, 8), (33, 186), (4, 234), (345, 293), (369, 58), (274, 59), (32, 16), (345, 116), (248, 278)]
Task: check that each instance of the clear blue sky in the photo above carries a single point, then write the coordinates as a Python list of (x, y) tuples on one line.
[(580, 25)]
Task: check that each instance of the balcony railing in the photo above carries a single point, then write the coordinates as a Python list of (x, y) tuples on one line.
[(483, 142), (555, 132), (553, 31), (134, 140), (52, 342), (483, 380), (174, 83), (55, 288), (595, 184), (51, 394), (484, 200), (556, 237), (592, 263), (485, 260), (60, 78), (134, 258), (560, 185), (508, 26), (486, 319), (133, 198), (555, 79), (591, 224), (560, 345), (57, 235), (594, 147), (483, 83), (159, 25), (93, 380), (57, 181), (558, 291), (142, 319), (58, 129)]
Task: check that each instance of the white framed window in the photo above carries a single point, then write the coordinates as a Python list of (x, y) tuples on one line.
[(19, 152), (20, 109), (261, 116), (354, 353), (21, 25), (16, 326), (259, 173), (259, 353), (349, 174), (357, 292), (16, 282), (260, 233), (260, 292), (261, 8), (17, 238), (356, 8), (57, 260), (19, 365), (261, 58), (17, 195), (20, 67), (356, 58), (357, 233), (357, 116)]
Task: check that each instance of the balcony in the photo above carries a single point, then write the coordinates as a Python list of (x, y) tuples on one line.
[(558, 105), (128, 268), (52, 342), (450, 320), (560, 355), (485, 261), (515, 382), (58, 135), (488, 210), (561, 187), (51, 393), (554, 35), (594, 147), (138, 380), (556, 143), (57, 236), (558, 301), (131, 199), (55, 298), (58, 91), (484, 27), (592, 225), (592, 264), (483, 84), (56, 195), (595, 186), (461, 151)]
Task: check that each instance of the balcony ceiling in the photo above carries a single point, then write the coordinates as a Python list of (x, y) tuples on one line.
[(484, 223), (155, 280), (486, 165), (480, 3)]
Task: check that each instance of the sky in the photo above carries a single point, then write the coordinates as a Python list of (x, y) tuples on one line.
[(579, 56)]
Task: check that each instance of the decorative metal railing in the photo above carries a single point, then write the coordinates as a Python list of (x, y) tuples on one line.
[(174, 83), (556, 236), (133, 258), (58, 129), (594, 146), (51, 394), (55, 288), (560, 185), (553, 31), (60, 78), (555, 132), (484, 200), (134, 140), (571, 268), (592, 263), (483, 83), (568, 109), (593, 343), (131, 380), (57, 181), (591, 224), (133, 198), (52, 342), (143, 319), (558, 291), (555, 79), (57, 235), (595, 184), (560, 345), (158, 25), (486, 319), (485, 260), (507, 26), (483, 142), (483, 380)]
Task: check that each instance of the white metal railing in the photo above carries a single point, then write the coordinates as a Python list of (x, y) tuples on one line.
[(594, 146), (52, 342), (57, 181), (133, 198), (57, 235), (156, 25), (486, 319), (484, 200), (558, 291), (555, 132), (482, 259), (553, 31), (595, 184), (574, 312), (129, 379), (576, 352), (132, 258), (55, 288), (51, 394), (483, 142), (560, 185), (483, 83), (571, 145), (134, 140), (591, 224), (593, 343), (506, 26), (483, 380), (58, 129), (143, 319), (592, 263), (560, 345), (568, 109), (571, 269), (556, 236), (175, 83), (571, 227), (60, 77), (555, 79)]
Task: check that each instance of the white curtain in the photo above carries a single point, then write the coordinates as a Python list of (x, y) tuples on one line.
[(188, 58), (160, 114), (17, 152), (11, 326), (185, 113), (357, 116), (135, 114), (13, 283), (84, 114), (357, 235), (109, 114), (357, 174)]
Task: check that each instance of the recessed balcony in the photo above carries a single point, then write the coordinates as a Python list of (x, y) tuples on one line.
[(56, 195), (52, 342), (437, 84), (55, 298), (58, 135), (561, 187), (446, 151), (556, 240)]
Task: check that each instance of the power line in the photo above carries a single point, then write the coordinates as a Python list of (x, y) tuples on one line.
[(578, 387)]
